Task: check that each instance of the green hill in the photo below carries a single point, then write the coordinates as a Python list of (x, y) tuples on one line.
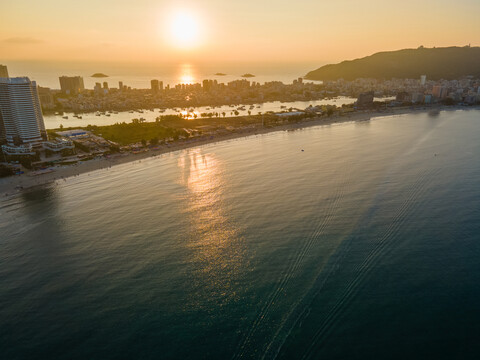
[(437, 63)]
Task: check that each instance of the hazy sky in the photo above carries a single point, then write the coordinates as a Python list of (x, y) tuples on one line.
[(222, 30)]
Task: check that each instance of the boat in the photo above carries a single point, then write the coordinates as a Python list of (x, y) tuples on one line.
[(65, 117)]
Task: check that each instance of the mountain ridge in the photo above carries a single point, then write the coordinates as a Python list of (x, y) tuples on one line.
[(437, 63)]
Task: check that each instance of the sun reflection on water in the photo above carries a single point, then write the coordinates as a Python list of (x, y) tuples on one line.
[(190, 114), (186, 74), (217, 248)]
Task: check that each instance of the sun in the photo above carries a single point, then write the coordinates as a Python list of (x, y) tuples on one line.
[(184, 30)]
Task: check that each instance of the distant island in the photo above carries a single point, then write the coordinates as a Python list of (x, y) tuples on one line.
[(99, 75), (220, 74), (437, 63), (247, 75)]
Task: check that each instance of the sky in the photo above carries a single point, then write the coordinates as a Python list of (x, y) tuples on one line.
[(206, 31)]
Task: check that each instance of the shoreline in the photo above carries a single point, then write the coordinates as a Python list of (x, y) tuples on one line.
[(17, 183)]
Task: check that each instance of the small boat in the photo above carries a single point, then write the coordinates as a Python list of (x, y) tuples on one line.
[(65, 117)]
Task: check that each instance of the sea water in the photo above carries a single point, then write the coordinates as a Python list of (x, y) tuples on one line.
[(352, 240)]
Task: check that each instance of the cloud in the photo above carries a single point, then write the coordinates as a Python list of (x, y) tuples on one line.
[(22, 40)]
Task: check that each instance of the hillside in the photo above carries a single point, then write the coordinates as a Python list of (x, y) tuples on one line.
[(437, 63)]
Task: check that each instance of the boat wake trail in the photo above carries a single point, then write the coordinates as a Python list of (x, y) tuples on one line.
[(347, 270), (296, 261)]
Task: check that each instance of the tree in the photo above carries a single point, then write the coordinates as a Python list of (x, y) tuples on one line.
[(448, 101), (5, 171), (144, 142), (114, 148), (61, 126), (154, 141)]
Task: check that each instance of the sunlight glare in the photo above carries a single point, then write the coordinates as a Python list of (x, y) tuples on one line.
[(184, 30)]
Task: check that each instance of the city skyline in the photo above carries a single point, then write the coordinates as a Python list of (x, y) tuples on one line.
[(150, 31)]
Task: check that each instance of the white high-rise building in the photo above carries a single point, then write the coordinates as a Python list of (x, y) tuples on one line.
[(21, 119), (423, 79)]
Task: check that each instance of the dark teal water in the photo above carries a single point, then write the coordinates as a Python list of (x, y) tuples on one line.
[(365, 245)]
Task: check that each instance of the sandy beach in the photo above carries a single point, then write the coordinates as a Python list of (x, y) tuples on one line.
[(13, 184)]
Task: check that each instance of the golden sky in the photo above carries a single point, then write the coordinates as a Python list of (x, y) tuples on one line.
[(222, 30)]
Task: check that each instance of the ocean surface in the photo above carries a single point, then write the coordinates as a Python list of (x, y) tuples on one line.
[(349, 241), (138, 75)]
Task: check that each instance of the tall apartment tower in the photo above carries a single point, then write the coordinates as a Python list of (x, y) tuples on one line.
[(21, 119), (155, 86), (71, 85), (3, 71)]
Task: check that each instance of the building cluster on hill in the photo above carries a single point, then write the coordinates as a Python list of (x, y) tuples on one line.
[(415, 91)]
